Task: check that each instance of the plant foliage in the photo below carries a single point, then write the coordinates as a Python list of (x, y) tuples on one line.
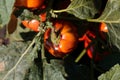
[(6, 8), (22, 54), (112, 74)]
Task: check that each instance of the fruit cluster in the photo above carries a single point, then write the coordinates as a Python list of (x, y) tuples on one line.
[(62, 38)]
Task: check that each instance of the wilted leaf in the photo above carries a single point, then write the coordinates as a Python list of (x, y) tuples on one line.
[(0, 21), (3, 32), (112, 74), (12, 24), (111, 13), (6, 7), (82, 9)]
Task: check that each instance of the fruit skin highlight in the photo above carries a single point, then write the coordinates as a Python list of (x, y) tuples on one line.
[(31, 24)]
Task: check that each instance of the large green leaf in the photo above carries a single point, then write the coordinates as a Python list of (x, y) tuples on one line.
[(82, 9), (6, 7), (9, 55), (111, 13), (112, 74)]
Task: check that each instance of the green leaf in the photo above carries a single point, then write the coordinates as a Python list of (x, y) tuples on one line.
[(34, 73), (112, 74), (82, 9), (9, 55), (114, 34), (6, 7), (65, 70), (111, 13), (54, 70)]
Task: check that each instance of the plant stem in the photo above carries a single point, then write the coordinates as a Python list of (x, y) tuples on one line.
[(80, 55), (106, 21), (59, 11), (44, 62), (43, 55)]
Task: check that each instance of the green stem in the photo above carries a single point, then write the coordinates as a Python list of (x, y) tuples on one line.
[(106, 21), (80, 55), (43, 55), (44, 62), (59, 11)]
